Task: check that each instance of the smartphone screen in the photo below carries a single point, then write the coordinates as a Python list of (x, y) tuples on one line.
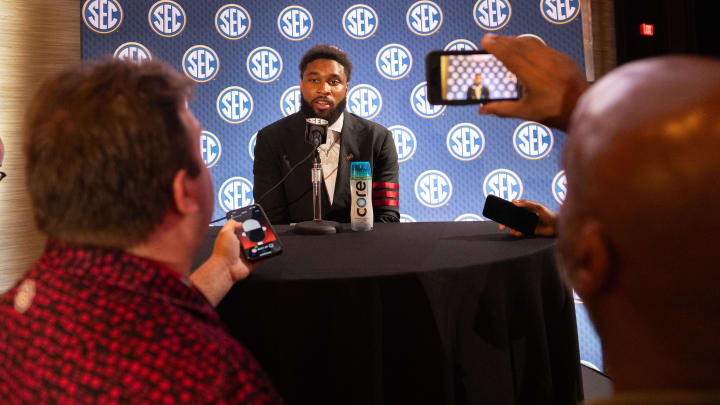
[(468, 77), (506, 213), (258, 239)]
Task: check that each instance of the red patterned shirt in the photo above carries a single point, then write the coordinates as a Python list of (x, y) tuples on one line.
[(99, 326)]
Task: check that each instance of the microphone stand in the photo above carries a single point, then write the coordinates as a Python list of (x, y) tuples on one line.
[(315, 134)]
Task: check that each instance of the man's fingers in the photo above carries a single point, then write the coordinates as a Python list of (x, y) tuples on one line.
[(512, 51), (232, 226), (526, 203), (496, 44), (501, 108)]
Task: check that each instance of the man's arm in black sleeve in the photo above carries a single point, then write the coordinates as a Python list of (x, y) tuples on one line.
[(386, 187), (267, 172)]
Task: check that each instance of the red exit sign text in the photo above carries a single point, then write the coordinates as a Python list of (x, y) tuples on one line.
[(646, 29)]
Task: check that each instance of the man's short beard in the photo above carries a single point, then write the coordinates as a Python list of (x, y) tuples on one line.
[(331, 116)]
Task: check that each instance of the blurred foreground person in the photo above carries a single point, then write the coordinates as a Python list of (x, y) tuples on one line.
[(638, 231), (108, 313)]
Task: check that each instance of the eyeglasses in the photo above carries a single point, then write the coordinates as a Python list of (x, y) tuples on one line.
[(2, 175)]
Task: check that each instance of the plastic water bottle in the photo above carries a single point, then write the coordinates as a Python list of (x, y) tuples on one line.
[(361, 211)]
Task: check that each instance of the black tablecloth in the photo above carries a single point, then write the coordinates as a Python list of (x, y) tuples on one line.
[(415, 313)]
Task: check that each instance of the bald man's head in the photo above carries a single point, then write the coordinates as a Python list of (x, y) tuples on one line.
[(643, 169)]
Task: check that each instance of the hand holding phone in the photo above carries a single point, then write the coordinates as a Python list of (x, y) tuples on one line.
[(468, 77), (552, 81), (506, 213), (258, 239)]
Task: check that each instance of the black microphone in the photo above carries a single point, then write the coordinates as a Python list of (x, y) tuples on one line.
[(316, 131)]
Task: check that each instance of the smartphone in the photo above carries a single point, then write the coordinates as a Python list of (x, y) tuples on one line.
[(506, 213), (258, 239), (468, 77)]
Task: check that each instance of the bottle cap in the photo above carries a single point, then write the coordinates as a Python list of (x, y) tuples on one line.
[(361, 170)]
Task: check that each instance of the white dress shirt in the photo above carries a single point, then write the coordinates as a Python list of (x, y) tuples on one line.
[(329, 155)]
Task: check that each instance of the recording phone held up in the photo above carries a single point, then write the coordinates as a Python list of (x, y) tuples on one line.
[(468, 77)]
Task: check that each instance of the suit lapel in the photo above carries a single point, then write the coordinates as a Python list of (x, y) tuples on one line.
[(348, 153), (296, 147)]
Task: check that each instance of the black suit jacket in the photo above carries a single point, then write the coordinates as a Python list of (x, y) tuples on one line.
[(484, 93), (281, 145)]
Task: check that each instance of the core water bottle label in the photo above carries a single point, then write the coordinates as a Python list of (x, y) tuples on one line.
[(361, 211)]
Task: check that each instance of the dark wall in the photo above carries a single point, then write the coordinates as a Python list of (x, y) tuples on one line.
[(681, 26)]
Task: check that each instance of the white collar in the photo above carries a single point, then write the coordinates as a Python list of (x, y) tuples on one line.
[(338, 124)]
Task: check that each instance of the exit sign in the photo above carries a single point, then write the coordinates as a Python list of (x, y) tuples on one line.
[(646, 29)]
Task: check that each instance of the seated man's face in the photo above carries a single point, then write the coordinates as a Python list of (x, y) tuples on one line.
[(478, 79), (324, 87)]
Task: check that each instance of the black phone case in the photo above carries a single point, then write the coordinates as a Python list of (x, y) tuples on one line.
[(235, 215), (432, 76), (506, 213)]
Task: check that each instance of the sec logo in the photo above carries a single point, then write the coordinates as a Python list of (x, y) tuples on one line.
[(290, 101), (235, 105), (405, 142), (200, 63), (167, 18), (295, 23), (102, 16), (461, 45), (264, 64), (532, 140), (235, 192), (132, 51), (364, 101), (465, 141), (393, 61), (492, 15), (469, 218), (559, 187), (251, 146), (503, 183), (360, 21), (406, 218), (424, 18), (560, 11), (210, 148), (433, 188), (232, 21), (420, 104)]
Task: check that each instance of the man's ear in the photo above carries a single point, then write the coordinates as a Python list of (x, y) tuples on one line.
[(592, 274), (185, 193)]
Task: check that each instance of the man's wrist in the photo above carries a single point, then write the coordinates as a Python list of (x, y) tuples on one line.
[(213, 278)]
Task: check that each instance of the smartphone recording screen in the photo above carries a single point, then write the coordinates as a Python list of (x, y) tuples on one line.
[(258, 238), (478, 77)]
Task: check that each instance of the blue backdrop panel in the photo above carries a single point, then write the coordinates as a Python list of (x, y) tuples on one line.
[(244, 57)]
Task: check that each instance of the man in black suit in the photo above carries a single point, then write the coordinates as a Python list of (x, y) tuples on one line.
[(477, 91), (324, 76)]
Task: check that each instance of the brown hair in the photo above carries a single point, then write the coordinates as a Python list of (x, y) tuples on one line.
[(103, 143)]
